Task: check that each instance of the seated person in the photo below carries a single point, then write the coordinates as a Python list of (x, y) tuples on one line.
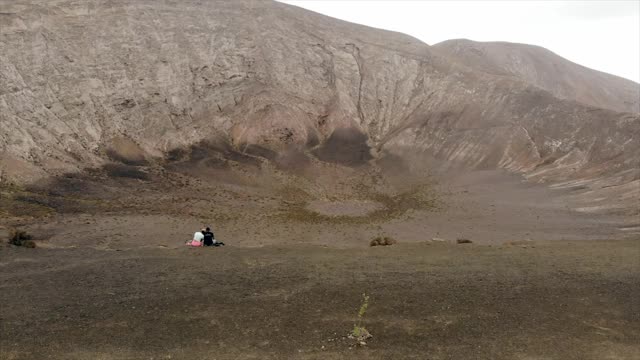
[(198, 237), (210, 239)]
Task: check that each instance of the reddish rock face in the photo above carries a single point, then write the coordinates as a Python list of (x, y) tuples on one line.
[(142, 80)]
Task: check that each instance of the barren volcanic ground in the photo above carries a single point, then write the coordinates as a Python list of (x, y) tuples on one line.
[(257, 204), (110, 278), (125, 126), (559, 300)]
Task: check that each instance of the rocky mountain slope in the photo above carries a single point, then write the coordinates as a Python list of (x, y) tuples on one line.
[(82, 84), (546, 70)]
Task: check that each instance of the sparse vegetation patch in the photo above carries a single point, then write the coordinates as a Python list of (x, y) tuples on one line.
[(382, 241), (359, 332), (390, 206), (125, 171), (19, 237)]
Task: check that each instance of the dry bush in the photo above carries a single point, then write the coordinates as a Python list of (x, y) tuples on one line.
[(21, 238), (382, 241), (29, 244)]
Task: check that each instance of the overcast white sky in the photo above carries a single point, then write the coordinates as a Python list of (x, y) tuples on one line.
[(602, 35)]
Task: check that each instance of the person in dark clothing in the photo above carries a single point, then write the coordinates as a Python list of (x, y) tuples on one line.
[(210, 239)]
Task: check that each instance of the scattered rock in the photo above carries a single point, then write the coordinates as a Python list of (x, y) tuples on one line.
[(361, 335), (463, 241)]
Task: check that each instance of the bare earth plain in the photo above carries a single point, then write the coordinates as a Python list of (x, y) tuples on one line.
[(110, 278), (545, 300)]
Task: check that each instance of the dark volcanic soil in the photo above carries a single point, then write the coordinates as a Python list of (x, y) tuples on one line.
[(554, 300)]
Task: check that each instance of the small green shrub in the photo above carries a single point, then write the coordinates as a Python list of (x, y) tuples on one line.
[(359, 332)]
